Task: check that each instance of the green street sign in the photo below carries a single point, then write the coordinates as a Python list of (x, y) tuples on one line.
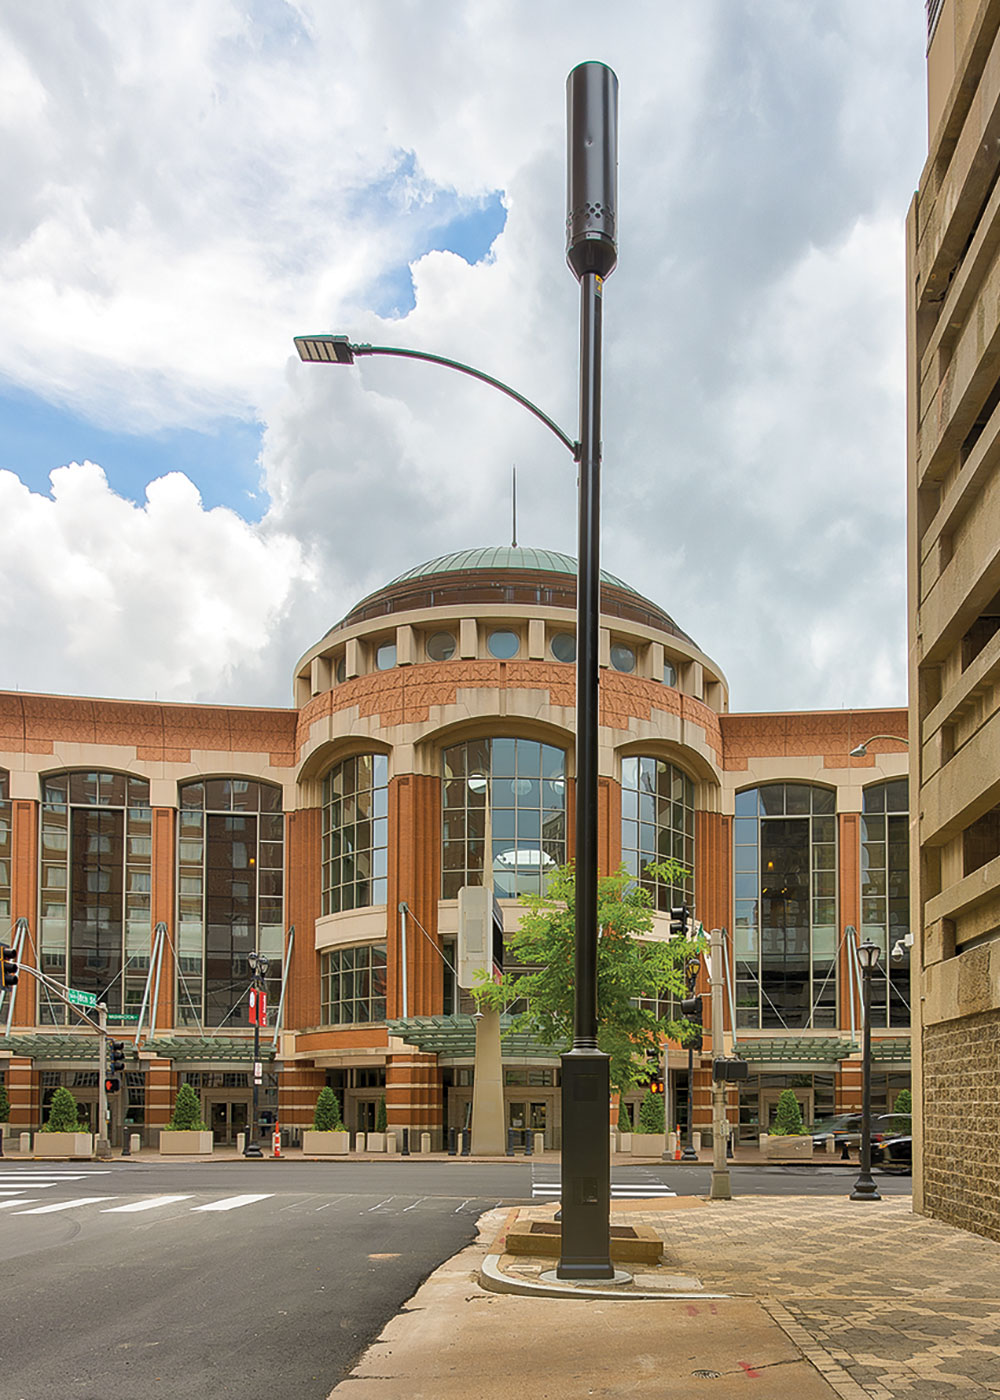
[(123, 1018), (76, 998)]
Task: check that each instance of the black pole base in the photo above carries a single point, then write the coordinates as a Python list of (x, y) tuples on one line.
[(586, 1167), (865, 1190), (689, 1154), (252, 1150)]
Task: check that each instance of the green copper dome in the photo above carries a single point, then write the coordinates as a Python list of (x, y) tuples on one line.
[(549, 561)]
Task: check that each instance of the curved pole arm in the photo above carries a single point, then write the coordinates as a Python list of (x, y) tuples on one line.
[(338, 350)]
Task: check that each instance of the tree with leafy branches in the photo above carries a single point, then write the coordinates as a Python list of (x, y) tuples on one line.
[(186, 1117), (652, 1117), (326, 1118), (631, 968), (788, 1116), (64, 1113), (381, 1117)]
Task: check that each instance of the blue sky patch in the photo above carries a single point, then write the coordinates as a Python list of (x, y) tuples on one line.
[(36, 437)]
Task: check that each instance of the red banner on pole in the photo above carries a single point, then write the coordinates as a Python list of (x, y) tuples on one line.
[(262, 1008), (252, 1018)]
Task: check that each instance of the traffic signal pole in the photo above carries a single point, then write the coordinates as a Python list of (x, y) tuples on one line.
[(721, 1189), (103, 1138)]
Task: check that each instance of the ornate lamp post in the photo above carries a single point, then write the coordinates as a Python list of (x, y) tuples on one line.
[(258, 969), (865, 1188)]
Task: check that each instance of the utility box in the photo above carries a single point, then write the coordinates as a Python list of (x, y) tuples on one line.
[(480, 934)]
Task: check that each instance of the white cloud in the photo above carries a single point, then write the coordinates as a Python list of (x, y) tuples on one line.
[(189, 186)]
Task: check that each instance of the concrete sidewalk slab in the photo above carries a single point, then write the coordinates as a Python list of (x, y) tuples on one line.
[(455, 1342)]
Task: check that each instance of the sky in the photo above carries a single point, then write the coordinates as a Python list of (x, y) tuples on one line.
[(185, 507)]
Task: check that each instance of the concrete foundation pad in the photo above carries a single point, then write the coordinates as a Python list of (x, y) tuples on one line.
[(637, 1244)]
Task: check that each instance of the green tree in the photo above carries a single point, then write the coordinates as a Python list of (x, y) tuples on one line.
[(187, 1112), (903, 1105), (629, 969), (4, 1104), (326, 1118), (624, 1117), (788, 1117), (652, 1118), (64, 1114), (381, 1117)]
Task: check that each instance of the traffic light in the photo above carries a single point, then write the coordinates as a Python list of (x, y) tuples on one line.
[(8, 966), (117, 1048), (656, 1084), (681, 923), (692, 1010), (112, 1084)]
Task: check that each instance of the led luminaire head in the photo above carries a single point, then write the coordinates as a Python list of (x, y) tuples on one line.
[(592, 169), (325, 349)]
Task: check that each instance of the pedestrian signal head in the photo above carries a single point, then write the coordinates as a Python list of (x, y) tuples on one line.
[(8, 966)]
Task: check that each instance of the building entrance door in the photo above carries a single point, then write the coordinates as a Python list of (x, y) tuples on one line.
[(769, 1106), (226, 1118)]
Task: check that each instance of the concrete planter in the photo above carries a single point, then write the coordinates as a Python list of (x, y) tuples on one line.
[(64, 1145), (788, 1149), (186, 1143), (648, 1144), (375, 1142), (625, 1142), (325, 1144)]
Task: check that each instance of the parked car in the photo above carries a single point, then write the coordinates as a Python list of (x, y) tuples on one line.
[(892, 1144), (843, 1127)]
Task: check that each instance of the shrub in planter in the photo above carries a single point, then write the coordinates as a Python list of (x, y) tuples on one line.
[(624, 1117), (381, 1117), (652, 1118), (903, 1105), (326, 1118), (4, 1104), (788, 1117), (64, 1114), (186, 1117)]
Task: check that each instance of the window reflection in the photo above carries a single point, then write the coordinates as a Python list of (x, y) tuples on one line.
[(355, 833), (658, 825), (885, 895)]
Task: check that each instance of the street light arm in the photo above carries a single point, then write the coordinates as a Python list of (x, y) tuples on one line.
[(345, 353)]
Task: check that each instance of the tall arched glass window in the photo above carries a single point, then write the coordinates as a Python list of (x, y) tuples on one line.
[(505, 803), (785, 915), (230, 857), (94, 893), (5, 849), (356, 833), (657, 825), (885, 895)]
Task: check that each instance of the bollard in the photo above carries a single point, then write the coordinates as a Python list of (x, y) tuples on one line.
[(425, 1144), (845, 1151), (406, 1143), (528, 1143), (390, 1144), (539, 1142), (25, 1144), (452, 1137), (135, 1142), (466, 1141), (241, 1142), (359, 1142), (510, 1142)]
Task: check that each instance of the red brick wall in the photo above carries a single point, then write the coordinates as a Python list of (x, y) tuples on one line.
[(303, 857), (164, 905), (414, 877)]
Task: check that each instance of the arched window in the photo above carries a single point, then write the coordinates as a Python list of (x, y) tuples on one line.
[(356, 833), (885, 895), (230, 858), (5, 849), (657, 825), (785, 914), (507, 798), (94, 895)]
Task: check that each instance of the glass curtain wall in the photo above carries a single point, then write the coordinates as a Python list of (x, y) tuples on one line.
[(785, 924), (657, 825), (885, 895), (230, 897), (356, 833), (95, 889), (504, 801), (353, 985)]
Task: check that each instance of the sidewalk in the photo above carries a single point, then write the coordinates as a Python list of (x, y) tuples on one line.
[(816, 1298)]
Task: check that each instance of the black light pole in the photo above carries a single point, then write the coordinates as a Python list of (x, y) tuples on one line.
[(865, 1188), (258, 969), (591, 251), (689, 1154)]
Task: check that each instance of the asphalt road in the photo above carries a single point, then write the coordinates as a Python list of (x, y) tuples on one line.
[(140, 1279)]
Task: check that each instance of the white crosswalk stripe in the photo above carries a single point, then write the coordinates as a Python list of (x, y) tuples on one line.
[(620, 1191), (64, 1205), (151, 1204), (21, 1201), (234, 1202)]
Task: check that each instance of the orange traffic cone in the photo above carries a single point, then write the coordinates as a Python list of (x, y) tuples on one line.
[(677, 1144)]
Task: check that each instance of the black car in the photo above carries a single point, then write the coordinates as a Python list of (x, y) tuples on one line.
[(892, 1149)]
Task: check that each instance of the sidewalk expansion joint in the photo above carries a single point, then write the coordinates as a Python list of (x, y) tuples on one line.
[(846, 1387)]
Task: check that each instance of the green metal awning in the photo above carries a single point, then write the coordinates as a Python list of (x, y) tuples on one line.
[(896, 1048), (207, 1047), (52, 1047), (454, 1037), (820, 1049)]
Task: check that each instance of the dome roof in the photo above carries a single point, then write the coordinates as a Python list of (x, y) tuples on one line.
[(549, 561)]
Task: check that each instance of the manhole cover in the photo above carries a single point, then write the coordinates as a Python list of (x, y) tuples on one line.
[(707, 1375)]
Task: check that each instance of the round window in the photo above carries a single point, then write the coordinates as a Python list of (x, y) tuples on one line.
[(441, 646), (622, 657), (563, 646), (503, 645), (341, 672), (385, 657), (669, 673)]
